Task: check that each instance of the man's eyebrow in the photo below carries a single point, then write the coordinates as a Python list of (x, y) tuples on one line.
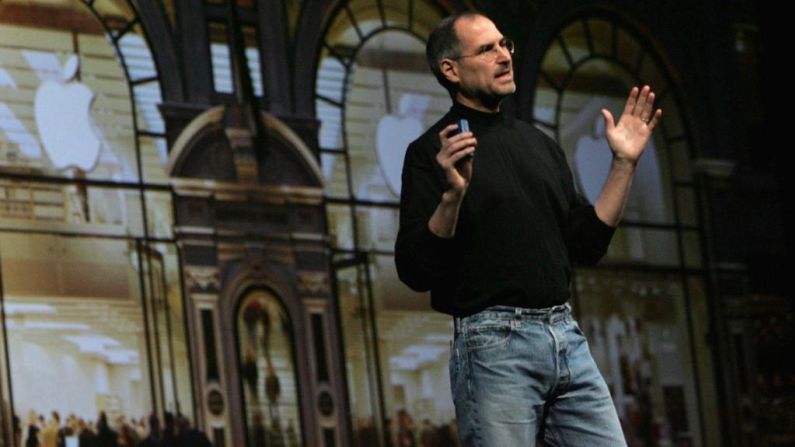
[(485, 47)]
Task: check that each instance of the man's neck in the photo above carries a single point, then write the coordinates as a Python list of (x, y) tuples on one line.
[(479, 104)]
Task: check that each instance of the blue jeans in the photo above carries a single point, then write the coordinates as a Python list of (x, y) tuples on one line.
[(518, 375)]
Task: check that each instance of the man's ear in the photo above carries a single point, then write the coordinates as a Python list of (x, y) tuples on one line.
[(450, 70)]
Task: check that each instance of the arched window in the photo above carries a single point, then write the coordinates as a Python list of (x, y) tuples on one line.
[(267, 364), (644, 307), (90, 275), (374, 94)]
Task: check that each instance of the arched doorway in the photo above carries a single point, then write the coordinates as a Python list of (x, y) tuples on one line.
[(266, 361)]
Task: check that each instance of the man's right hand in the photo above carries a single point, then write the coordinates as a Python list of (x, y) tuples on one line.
[(455, 159)]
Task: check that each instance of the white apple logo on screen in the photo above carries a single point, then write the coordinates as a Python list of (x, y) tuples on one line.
[(63, 116), (394, 133)]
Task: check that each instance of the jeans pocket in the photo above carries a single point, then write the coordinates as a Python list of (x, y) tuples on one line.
[(577, 330), (480, 338)]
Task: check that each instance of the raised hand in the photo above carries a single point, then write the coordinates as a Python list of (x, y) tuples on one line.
[(629, 137)]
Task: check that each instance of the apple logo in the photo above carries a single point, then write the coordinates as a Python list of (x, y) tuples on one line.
[(592, 159), (394, 133), (63, 116)]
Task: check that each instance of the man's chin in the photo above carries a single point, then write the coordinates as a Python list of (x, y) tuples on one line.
[(507, 89), (501, 93)]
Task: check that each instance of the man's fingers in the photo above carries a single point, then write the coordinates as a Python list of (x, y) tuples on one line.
[(655, 119), (449, 158), (647, 110), (458, 144), (642, 99), (629, 106), (458, 137), (455, 158), (446, 131)]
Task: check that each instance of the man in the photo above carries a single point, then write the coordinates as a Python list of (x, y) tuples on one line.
[(490, 223)]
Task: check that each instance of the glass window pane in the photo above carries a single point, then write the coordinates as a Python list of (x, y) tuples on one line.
[(330, 117), (576, 43), (648, 246), (396, 13), (426, 16), (154, 159), (137, 57), (73, 309), (160, 214), (692, 246), (253, 59), (414, 342), (354, 305), (167, 335), (147, 100), (70, 208), (544, 110), (672, 126), (628, 49), (366, 15), (555, 64), (113, 10), (601, 36), (166, 299), (335, 175), (638, 334), (377, 227), (330, 78), (703, 353), (681, 163), (340, 226), (65, 107), (341, 32), (650, 74), (687, 204), (219, 52), (392, 100)]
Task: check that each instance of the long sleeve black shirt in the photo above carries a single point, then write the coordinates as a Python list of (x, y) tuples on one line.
[(520, 226)]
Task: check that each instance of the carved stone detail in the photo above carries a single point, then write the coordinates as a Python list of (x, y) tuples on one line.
[(313, 283), (202, 279)]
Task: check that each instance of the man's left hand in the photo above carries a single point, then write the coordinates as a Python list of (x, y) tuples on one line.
[(628, 138)]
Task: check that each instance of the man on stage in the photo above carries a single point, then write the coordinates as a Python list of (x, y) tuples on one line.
[(490, 223)]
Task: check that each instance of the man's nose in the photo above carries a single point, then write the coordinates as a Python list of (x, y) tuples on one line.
[(503, 54)]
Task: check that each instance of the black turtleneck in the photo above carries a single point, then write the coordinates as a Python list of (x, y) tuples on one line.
[(520, 226)]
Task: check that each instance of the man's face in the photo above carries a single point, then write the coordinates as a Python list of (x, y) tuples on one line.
[(483, 79)]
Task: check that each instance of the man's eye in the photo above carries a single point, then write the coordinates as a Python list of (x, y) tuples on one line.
[(485, 49)]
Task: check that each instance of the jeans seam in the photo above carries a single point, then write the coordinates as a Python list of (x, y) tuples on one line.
[(555, 357)]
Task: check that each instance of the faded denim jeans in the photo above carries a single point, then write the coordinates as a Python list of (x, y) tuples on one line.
[(518, 375)]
